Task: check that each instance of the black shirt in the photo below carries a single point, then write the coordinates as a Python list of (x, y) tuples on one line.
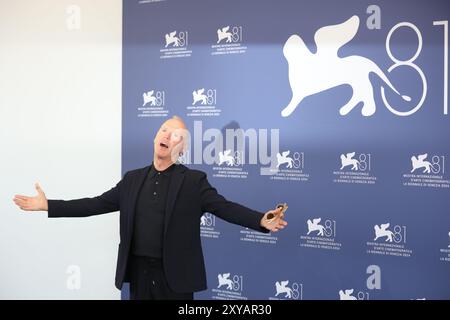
[(150, 212)]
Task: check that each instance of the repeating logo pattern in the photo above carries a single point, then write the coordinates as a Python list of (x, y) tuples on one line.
[(343, 165)]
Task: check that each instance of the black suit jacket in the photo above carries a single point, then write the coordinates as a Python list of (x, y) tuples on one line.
[(189, 196)]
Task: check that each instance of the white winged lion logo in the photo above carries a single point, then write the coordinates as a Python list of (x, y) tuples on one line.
[(310, 73)]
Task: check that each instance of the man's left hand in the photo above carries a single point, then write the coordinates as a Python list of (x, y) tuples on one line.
[(276, 223)]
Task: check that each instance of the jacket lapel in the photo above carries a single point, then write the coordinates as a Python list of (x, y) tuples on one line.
[(135, 187), (174, 187)]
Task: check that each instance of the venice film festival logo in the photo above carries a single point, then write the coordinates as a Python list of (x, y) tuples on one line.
[(176, 45), (224, 280), (283, 158), (346, 294), (234, 283), (310, 73), (207, 220), (223, 34), (229, 286), (382, 231), (199, 96), (153, 104), (208, 226), (389, 240), (427, 171), (355, 168), (314, 225), (150, 98), (230, 165), (204, 103), (284, 290), (229, 41), (227, 158), (420, 162), (350, 294), (325, 229), (321, 235), (347, 160), (230, 35), (204, 97), (362, 163), (180, 40), (290, 167)]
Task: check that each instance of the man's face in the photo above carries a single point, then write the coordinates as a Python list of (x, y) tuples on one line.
[(170, 140)]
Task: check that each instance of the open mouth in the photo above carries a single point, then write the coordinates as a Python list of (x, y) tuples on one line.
[(164, 145)]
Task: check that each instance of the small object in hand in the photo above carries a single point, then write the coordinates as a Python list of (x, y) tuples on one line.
[(283, 206)]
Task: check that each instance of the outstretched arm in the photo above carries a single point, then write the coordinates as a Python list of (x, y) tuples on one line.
[(107, 202), (232, 212)]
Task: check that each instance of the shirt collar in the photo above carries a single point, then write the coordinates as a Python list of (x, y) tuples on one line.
[(165, 172)]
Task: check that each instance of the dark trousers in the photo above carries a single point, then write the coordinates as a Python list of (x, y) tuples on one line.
[(148, 282)]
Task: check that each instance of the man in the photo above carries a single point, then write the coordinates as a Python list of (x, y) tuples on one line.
[(160, 208)]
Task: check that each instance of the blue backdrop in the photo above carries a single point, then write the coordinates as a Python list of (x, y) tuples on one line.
[(367, 185)]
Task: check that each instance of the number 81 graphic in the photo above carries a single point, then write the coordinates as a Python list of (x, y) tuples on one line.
[(410, 63)]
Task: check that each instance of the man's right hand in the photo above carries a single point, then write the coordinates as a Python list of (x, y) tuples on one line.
[(37, 203)]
